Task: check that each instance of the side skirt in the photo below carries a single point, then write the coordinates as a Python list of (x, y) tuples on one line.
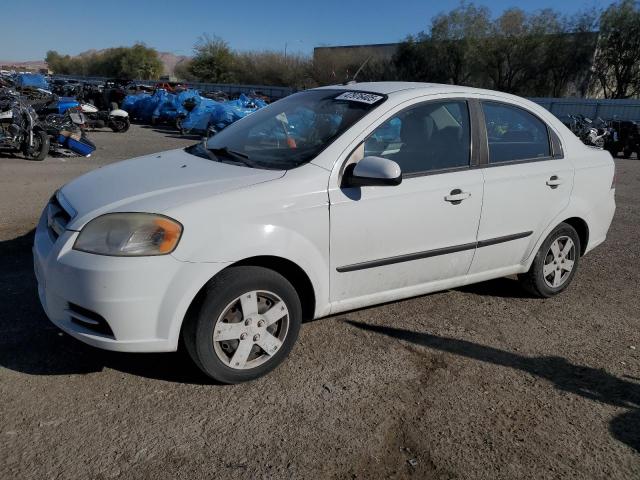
[(422, 289)]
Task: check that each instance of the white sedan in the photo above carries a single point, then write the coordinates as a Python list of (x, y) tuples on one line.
[(331, 199)]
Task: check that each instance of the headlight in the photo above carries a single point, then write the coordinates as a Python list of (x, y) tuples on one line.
[(129, 235)]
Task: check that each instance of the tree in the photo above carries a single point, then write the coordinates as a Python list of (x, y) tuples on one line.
[(617, 63), (512, 52), (213, 60), (568, 57), (182, 71), (138, 61), (415, 60), (456, 39), (59, 63), (272, 68)]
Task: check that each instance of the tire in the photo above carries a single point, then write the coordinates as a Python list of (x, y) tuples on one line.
[(41, 146), (120, 125), (626, 152), (230, 346), (558, 277)]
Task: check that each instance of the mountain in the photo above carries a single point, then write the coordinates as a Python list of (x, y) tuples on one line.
[(170, 61), (33, 65)]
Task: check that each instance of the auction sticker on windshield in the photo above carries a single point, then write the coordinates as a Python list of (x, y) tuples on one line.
[(363, 97)]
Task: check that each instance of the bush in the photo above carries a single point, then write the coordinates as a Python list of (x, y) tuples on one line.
[(136, 62)]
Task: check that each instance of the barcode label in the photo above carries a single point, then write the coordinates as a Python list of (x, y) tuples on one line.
[(360, 97)]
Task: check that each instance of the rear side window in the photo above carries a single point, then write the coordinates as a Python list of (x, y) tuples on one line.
[(514, 134), (431, 136)]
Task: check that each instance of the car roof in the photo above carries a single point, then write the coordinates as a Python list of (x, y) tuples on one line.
[(384, 88), (392, 88)]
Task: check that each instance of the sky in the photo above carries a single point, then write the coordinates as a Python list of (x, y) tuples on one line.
[(32, 27)]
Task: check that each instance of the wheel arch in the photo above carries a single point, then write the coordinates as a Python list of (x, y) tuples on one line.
[(293, 272), (288, 269), (582, 228)]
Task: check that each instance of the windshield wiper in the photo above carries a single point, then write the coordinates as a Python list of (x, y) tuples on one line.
[(237, 156)]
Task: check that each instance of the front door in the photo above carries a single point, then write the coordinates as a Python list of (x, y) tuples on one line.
[(391, 242)]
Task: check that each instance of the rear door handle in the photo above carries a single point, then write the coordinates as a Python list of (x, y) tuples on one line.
[(456, 196), (554, 181)]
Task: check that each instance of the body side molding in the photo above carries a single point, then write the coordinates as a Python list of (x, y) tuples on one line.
[(430, 253)]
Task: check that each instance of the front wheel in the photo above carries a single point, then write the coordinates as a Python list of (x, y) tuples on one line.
[(555, 264), (40, 148), (246, 325)]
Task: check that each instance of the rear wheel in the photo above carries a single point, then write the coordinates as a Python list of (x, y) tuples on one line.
[(40, 148), (246, 325), (120, 124), (555, 264)]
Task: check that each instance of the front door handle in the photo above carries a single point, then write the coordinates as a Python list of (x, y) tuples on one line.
[(554, 181), (456, 196)]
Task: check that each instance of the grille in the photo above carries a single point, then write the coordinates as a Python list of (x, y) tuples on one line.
[(57, 218)]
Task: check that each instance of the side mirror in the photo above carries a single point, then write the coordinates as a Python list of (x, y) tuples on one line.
[(372, 171)]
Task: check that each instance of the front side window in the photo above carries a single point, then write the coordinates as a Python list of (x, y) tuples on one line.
[(514, 134), (290, 132), (431, 136)]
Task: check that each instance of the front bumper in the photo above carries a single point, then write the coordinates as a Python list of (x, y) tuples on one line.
[(142, 299)]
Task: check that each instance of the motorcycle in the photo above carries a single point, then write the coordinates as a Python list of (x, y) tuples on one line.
[(597, 135), (116, 119), (20, 129), (67, 134), (626, 140), (588, 132)]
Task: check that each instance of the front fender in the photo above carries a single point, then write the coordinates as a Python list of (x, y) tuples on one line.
[(275, 241), (286, 218), (118, 113)]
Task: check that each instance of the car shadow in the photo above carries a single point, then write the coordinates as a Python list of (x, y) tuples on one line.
[(31, 344), (590, 383), (500, 287)]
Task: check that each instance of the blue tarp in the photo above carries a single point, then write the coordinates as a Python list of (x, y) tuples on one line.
[(164, 106), (34, 80), (218, 115), (132, 104), (143, 106)]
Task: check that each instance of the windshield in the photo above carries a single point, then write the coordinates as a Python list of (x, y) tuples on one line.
[(291, 131)]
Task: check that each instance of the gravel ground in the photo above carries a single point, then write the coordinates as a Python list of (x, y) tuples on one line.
[(479, 382)]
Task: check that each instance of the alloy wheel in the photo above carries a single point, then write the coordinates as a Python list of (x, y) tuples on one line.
[(251, 330), (559, 262)]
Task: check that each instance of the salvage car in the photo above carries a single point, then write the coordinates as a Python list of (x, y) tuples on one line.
[(328, 200)]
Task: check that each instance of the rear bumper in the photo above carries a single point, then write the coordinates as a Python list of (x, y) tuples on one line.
[(600, 221), (142, 299)]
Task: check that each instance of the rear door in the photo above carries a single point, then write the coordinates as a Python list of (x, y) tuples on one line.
[(528, 183)]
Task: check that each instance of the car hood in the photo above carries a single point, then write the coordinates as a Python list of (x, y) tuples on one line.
[(154, 183)]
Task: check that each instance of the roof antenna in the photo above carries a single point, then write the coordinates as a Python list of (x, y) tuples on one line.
[(355, 75)]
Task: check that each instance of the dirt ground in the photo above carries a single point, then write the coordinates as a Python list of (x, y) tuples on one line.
[(481, 382)]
